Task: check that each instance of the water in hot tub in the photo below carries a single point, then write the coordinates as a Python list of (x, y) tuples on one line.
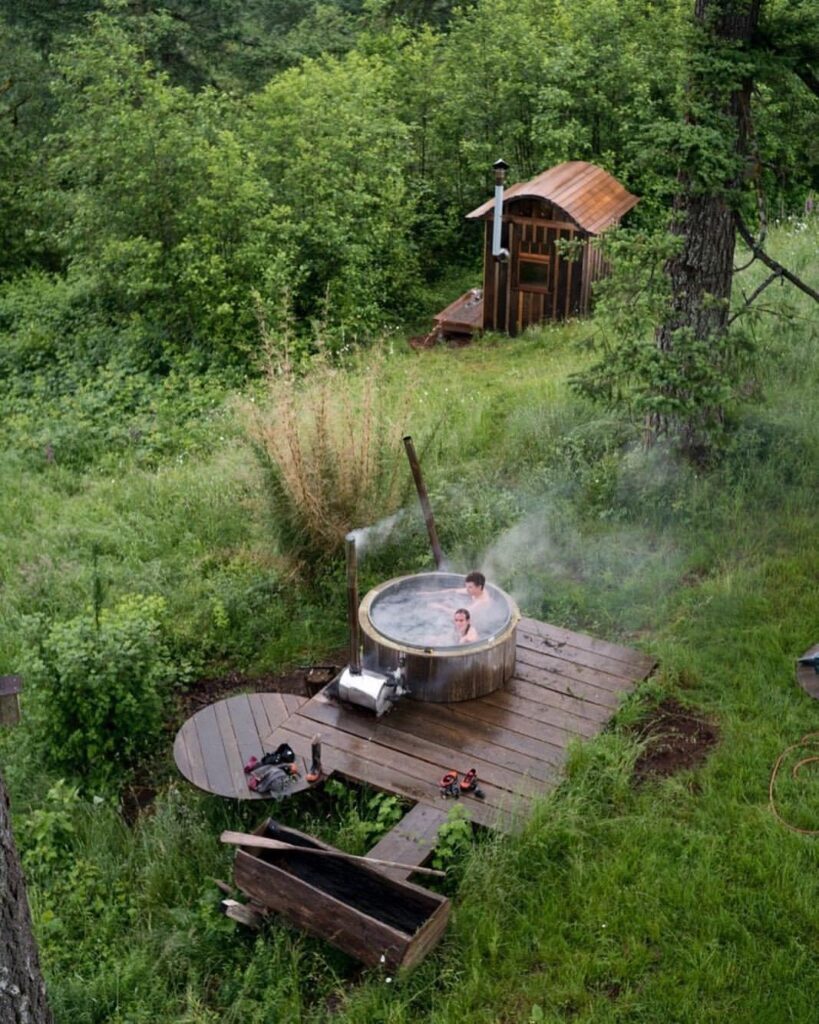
[(420, 612)]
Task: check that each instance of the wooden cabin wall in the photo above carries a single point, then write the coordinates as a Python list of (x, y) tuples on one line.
[(495, 282), (595, 267), (531, 228)]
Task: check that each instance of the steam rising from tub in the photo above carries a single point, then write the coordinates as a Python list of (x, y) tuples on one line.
[(549, 550)]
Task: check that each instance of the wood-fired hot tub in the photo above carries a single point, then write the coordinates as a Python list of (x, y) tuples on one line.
[(412, 615)]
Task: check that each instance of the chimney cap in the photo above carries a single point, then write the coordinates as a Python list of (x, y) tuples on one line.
[(500, 167)]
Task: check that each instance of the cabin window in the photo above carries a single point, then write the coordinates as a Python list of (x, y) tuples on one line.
[(533, 273)]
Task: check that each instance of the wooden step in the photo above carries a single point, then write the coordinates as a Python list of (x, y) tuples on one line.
[(412, 840)]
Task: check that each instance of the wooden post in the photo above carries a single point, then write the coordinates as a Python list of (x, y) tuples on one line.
[(9, 700)]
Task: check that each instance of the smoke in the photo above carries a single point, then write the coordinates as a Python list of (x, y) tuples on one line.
[(370, 538)]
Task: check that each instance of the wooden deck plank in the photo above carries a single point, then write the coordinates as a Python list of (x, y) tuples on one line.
[(412, 840), (216, 764), (589, 718), (354, 765), (267, 714), (439, 756), (187, 753), (244, 727), (558, 726), (293, 701), (639, 663), (574, 662), (230, 744), (583, 692)]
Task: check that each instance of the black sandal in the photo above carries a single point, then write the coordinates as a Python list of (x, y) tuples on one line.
[(283, 754)]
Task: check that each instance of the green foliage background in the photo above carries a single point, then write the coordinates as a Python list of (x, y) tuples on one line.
[(168, 172)]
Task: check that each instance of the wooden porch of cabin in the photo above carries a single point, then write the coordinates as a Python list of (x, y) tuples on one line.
[(464, 316)]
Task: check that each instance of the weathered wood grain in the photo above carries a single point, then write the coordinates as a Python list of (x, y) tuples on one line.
[(412, 840)]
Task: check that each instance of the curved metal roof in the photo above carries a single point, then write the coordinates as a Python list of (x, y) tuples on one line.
[(586, 192)]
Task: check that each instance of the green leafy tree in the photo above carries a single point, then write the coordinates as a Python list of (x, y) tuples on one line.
[(165, 210), (24, 111), (689, 375), (330, 141)]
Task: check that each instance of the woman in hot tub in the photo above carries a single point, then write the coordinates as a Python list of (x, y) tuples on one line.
[(464, 629)]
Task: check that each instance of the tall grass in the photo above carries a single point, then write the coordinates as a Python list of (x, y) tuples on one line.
[(329, 443)]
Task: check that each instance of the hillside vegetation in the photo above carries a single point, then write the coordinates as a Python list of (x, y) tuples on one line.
[(221, 223)]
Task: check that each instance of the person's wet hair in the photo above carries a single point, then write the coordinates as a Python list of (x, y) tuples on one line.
[(477, 578)]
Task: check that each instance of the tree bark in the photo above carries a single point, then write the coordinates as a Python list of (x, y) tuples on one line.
[(22, 989), (701, 272)]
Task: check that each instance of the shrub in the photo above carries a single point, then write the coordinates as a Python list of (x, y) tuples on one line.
[(329, 443), (98, 688)]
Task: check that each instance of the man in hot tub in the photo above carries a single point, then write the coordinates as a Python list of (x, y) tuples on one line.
[(475, 586), (480, 600)]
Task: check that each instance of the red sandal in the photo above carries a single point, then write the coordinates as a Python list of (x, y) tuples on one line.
[(449, 785), (469, 784)]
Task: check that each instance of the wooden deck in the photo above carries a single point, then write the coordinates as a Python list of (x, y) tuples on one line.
[(566, 686), (463, 316), (213, 746)]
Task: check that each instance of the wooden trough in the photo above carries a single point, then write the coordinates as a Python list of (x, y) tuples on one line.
[(360, 910)]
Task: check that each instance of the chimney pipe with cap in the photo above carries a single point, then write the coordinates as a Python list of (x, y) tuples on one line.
[(500, 168), (352, 605)]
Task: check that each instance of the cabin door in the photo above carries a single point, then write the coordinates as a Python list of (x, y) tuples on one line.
[(532, 272), (544, 284)]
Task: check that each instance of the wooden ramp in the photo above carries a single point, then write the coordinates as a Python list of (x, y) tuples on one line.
[(463, 316), (807, 676)]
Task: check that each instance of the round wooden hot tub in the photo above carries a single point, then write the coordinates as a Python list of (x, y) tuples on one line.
[(413, 616)]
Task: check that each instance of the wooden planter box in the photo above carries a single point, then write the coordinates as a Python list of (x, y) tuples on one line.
[(363, 912)]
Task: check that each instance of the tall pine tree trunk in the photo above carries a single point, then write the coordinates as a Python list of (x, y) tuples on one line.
[(700, 274), (22, 990)]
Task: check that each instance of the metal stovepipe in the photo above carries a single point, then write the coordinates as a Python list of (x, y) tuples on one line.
[(423, 497)]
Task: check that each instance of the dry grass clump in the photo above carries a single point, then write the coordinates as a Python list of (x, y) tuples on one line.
[(329, 441)]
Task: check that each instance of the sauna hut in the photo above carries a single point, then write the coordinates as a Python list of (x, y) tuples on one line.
[(525, 279)]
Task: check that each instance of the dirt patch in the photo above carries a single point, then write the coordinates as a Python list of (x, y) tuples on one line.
[(305, 681), (136, 799), (675, 739)]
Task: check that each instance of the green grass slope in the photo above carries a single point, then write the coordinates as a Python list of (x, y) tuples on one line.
[(676, 900)]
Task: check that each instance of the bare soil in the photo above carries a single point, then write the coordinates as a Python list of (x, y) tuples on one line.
[(304, 680), (676, 739)]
